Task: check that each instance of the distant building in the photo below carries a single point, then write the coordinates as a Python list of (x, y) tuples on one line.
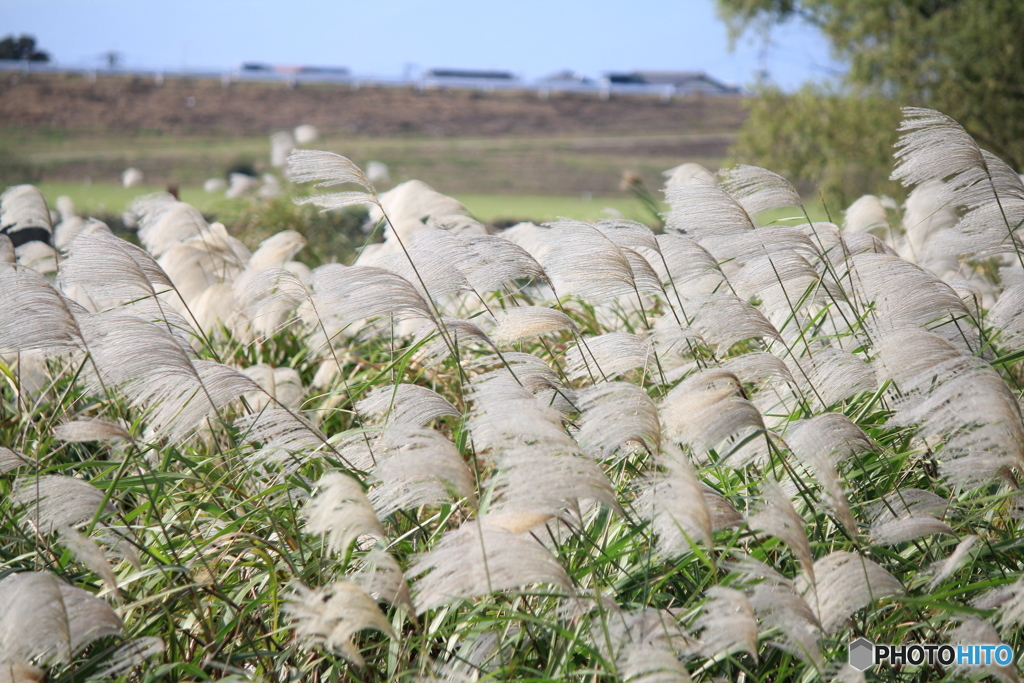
[(684, 82), (261, 68), (469, 75), (566, 77)]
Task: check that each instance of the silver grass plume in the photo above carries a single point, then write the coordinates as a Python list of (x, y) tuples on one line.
[(268, 298), (607, 356), (33, 621), (345, 295), (724, 319), (430, 263), (705, 211), (707, 411), (906, 514), (758, 189), (645, 644), (405, 404), (52, 502), (832, 375), (327, 169), (286, 437), (776, 517), (866, 214), (727, 623), (677, 504), (1007, 317), (418, 466), (457, 334), (690, 267), (11, 460), (110, 268), (975, 631), (33, 315), (24, 207), (164, 222), (519, 323), (495, 261), (478, 559), (945, 568), (529, 372), (380, 576), (89, 618), (145, 362), (129, 654), (846, 582), (958, 398), (341, 512), (613, 414), (329, 617), (689, 173), (780, 609), (89, 553), (91, 430), (17, 671), (583, 261)]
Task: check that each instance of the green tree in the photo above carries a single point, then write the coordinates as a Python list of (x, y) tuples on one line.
[(962, 57), (23, 47)]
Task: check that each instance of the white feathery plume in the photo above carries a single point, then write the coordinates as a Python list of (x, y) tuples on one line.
[(704, 211), (203, 260), (866, 214), (758, 189), (11, 460), (108, 267), (344, 295), (707, 412), (530, 372), (845, 582), (1011, 605), (24, 207), (906, 514), (759, 368), (330, 617), (283, 385), (903, 294), (778, 606), (418, 467), (307, 165), (478, 559), (89, 553), (457, 334), (975, 631), (723, 319), (164, 222), (518, 323), (284, 436), (1007, 317), (506, 415), (37, 256), (91, 430), (269, 299), (494, 260), (926, 221), (583, 261), (756, 244), (614, 413), (678, 505), (273, 252), (54, 501), (691, 268), (430, 263), (33, 315), (380, 576), (645, 644), (645, 277), (828, 437), (89, 618), (341, 512), (545, 485), (7, 255), (689, 173), (17, 671), (129, 654), (959, 398), (625, 233), (776, 517), (945, 568), (783, 282), (727, 623), (33, 620), (405, 404), (607, 356), (832, 375)]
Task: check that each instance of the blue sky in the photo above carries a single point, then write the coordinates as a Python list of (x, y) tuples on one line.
[(381, 37)]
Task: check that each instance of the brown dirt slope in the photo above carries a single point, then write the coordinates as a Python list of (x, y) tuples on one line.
[(185, 106)]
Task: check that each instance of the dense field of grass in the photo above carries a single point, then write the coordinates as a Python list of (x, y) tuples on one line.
[(590, 451)]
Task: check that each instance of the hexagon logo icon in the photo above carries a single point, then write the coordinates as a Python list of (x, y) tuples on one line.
[(862, 654)]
